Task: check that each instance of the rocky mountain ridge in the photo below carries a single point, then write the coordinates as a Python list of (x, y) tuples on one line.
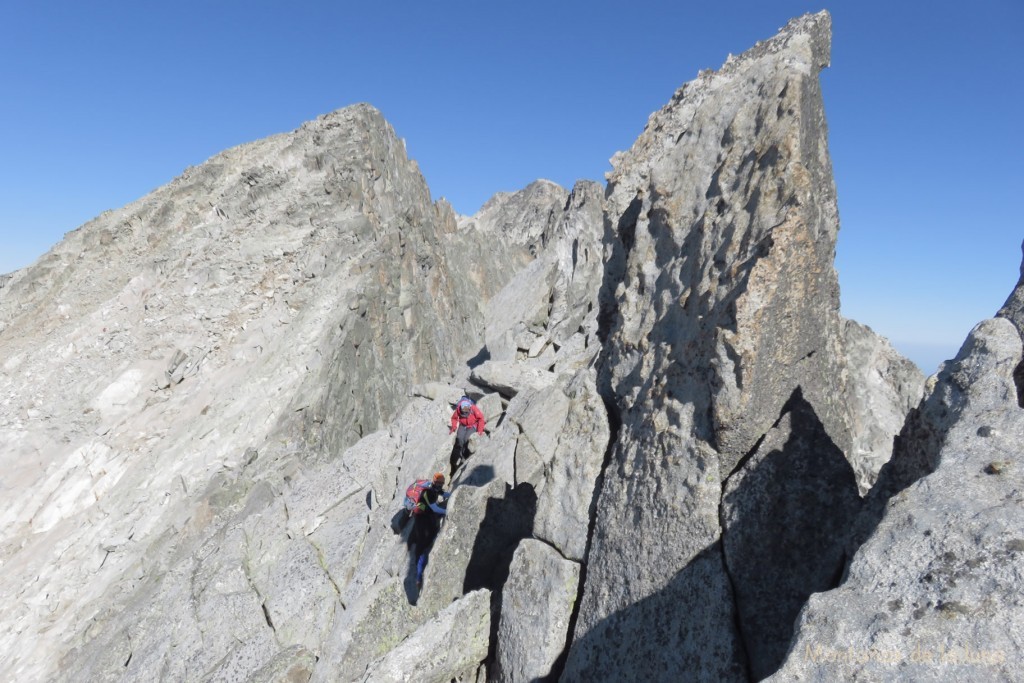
[(211, 402)]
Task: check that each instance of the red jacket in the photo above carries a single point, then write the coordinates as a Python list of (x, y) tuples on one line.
[(474, 419)]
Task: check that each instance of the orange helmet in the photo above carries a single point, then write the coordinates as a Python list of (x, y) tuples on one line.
[(438, 479)]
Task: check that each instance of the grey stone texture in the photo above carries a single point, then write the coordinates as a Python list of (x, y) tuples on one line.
[(449, 647), (566, 477), (884, 388), (934, 592), (536, 607), (721, 307), (726, 213), (786, 515), (215, 349)]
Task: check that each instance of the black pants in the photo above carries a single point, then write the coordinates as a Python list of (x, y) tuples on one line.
[(461, 452), (425, 527)]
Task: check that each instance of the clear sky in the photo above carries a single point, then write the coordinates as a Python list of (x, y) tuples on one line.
[(103, 102)]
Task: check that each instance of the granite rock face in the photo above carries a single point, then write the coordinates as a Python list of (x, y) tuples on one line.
[(1013, 309), (884, 388), (726, 215), (151, 354), (933, 594), (451, 647), (552, 300), (212, 401), (786, 513), (721, 311), (175, 369), (535, 613)]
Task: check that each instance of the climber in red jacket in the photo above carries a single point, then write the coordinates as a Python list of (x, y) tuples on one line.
[(465, 418)]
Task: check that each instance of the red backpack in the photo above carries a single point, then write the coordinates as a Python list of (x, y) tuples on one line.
[(413, 493)]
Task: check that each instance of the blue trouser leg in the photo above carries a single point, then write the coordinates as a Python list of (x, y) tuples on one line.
[(421, 563)]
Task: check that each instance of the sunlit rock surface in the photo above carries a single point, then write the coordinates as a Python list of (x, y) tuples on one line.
[(934, 593), (723, 326)]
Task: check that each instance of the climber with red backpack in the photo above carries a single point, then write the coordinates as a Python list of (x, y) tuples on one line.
[(466, 419), (425, 502)]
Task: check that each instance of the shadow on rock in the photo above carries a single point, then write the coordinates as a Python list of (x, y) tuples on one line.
[(916, 448), (423, 532), (478, 475), (787, 513), (506, 522), (481, 357), (412, 593), (684, 632)]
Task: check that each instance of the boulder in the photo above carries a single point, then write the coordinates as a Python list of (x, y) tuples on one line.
[(567, 481), (536, 606), (451, 646), (884, 388), (509, 378), (491, 406), (438, 391), (933, 592)]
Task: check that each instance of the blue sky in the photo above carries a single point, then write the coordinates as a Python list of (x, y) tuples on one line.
[(105, 101)]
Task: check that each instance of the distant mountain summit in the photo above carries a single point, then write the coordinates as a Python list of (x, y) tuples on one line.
[(213, 399)]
